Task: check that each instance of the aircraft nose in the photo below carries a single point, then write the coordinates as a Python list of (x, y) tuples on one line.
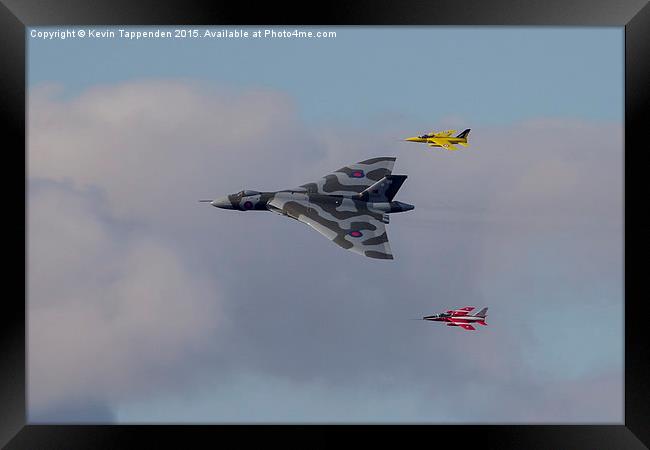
[(411, 139), (401, 206), (223, 203)]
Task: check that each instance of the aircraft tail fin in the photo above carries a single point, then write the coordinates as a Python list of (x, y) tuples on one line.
[(463, 134), (384, 190), (482, 313)]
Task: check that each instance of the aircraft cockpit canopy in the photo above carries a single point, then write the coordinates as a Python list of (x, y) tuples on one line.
[(246, 193)]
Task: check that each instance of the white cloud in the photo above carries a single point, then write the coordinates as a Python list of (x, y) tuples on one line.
[(133, 285), (111, 315), (151, 147)]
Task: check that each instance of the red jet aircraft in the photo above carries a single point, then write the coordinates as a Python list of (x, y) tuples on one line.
[(460, 317)]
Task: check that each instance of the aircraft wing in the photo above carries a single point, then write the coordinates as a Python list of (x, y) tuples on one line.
[(461, 311), (352, 179), (463, 325), (444, 143), (347, 223), (445, 133)]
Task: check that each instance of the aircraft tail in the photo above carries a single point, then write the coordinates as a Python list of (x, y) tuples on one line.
[(482, 313), (384, 190), (463, 134)]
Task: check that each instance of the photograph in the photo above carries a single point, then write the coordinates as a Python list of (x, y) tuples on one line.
[(359, 221), (469, 181)]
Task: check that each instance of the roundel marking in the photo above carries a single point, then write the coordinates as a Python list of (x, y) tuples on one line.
[(357, 174), (356, 233), (248, 204)]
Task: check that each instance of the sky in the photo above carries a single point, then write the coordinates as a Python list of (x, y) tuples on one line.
[(145, 306)]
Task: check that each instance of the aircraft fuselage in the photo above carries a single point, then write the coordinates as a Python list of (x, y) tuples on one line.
[(429, 140), (253, 200), (461, 319)]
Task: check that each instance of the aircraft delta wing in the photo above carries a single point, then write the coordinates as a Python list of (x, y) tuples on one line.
[(352, 179), (346, 222), (461, 311), (445, 133), (333, 206), (444, 143)]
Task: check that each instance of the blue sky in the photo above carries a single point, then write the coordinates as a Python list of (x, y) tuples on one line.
[(203, 315), (489, 75)]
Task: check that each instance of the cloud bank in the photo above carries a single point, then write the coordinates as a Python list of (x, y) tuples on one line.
[(137, 293)]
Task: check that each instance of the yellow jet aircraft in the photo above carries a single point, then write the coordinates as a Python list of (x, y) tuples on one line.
[(442, 139)]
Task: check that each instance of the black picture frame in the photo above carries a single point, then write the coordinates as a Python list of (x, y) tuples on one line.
[(16, 15)]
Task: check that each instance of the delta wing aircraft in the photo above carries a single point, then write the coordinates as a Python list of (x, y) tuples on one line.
[(460, 317), (350, 206), (442, 139)]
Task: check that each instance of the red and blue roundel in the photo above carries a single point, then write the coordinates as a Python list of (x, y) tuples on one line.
[(248, 204), (356, 233), (357, 174)]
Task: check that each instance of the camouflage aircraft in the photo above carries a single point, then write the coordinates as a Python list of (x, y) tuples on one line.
[(350, 207)]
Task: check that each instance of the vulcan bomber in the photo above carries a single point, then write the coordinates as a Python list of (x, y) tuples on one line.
[(350, 206)]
